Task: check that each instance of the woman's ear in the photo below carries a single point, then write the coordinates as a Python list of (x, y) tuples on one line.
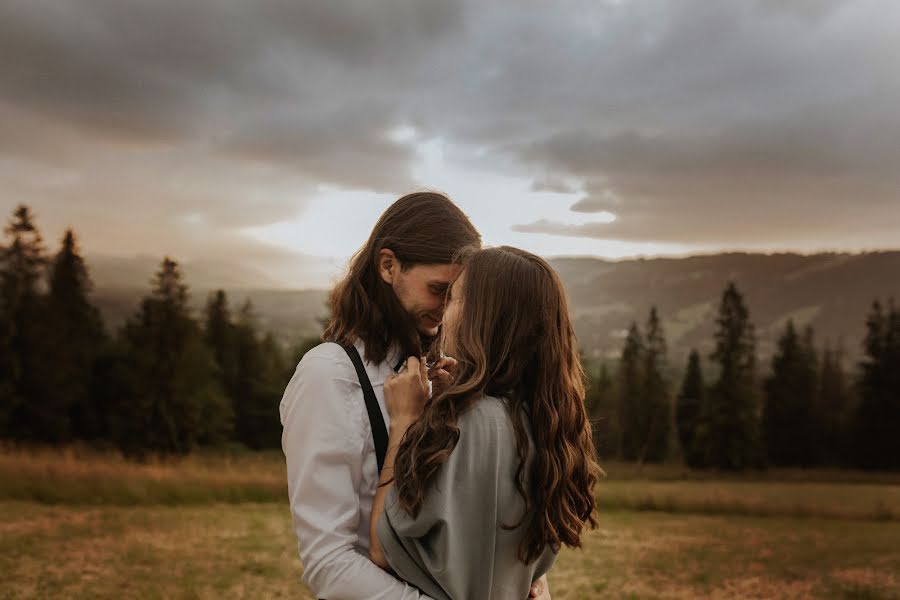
[(388, 265)]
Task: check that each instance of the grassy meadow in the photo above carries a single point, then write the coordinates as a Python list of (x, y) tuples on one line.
[(77, 524)]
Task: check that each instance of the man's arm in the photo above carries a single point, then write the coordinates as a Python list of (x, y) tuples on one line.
[(323, 439)]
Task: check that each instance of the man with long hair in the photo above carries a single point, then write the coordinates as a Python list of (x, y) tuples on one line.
[(389, 306)]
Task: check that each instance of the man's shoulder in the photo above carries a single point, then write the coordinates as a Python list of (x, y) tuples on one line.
[(326, 361), (326, 351)]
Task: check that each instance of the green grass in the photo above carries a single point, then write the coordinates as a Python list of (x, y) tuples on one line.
[(248, 551)]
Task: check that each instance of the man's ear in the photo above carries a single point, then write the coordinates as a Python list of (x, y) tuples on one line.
[(388, 265)]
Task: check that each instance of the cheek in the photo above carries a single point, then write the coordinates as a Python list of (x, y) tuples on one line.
[(428, 301), (399, 287)]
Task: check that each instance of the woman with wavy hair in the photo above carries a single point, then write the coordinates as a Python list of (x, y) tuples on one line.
[(488, 477)]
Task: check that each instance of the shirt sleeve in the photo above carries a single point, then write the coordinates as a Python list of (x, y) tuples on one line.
[(456, 546), (323, 441)]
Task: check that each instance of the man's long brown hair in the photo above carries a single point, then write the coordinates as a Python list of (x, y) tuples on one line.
[(514, 339), (420, 228)]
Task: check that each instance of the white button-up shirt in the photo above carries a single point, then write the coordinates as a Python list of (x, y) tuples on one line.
[(332, 474)]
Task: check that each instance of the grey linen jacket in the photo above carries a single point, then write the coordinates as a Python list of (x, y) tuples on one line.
[(457, 548)]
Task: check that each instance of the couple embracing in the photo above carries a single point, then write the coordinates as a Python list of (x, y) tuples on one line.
[(437, 444)]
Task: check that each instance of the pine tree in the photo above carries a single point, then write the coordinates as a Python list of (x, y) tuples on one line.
[(9, 369), (656, 393), (600, 405), (687, 410), (634, 416), (9, 364), (77, 333), (177, 401), (275, 365), (259, 384), (728, 432), (27, 409), (116, 398), (219, 333), (876, 443), (789, 421), (833, 403)]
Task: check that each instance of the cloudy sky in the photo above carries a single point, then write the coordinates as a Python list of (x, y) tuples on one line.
[(271, 134)]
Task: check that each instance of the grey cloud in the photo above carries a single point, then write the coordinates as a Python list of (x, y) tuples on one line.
[(602, 199), (344, 145), (738, 123), (555, 185), (691, 120), (176, 73)]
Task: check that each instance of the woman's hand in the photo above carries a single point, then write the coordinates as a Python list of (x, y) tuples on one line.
[(442, 374), (541, 589), (405, 394)]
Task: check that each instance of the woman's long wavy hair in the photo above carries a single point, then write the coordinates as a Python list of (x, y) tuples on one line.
[(514, 339), (420, 228)]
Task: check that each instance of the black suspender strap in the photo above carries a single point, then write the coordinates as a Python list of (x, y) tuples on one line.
[(376, 421)]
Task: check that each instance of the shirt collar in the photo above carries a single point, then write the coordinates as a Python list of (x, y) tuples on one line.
[(395, 357)]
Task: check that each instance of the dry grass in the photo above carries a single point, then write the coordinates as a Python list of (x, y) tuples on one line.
[(626, 471), (77, 523), (219, 551), (755, 498), (643, 555), (81, 476), (248, 551)]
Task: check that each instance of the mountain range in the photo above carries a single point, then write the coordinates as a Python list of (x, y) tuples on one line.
[(831, 292)]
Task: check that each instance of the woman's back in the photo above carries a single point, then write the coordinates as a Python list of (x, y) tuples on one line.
[(459, 545)]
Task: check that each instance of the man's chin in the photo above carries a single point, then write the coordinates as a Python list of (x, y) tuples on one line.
[(429, 332)]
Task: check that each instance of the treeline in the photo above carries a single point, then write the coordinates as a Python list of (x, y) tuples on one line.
[(165, 383), (804, 411)]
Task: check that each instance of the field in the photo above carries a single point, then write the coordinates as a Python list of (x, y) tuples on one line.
[(75, 524)]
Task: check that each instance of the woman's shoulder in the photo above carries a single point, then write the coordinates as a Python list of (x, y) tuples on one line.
[(487, 419), (492, 408)]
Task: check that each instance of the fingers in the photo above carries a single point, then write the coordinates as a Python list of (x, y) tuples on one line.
[(416, 366), (423, 372), (447, 363), (412, 364), (438, 374), (440, 377)]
